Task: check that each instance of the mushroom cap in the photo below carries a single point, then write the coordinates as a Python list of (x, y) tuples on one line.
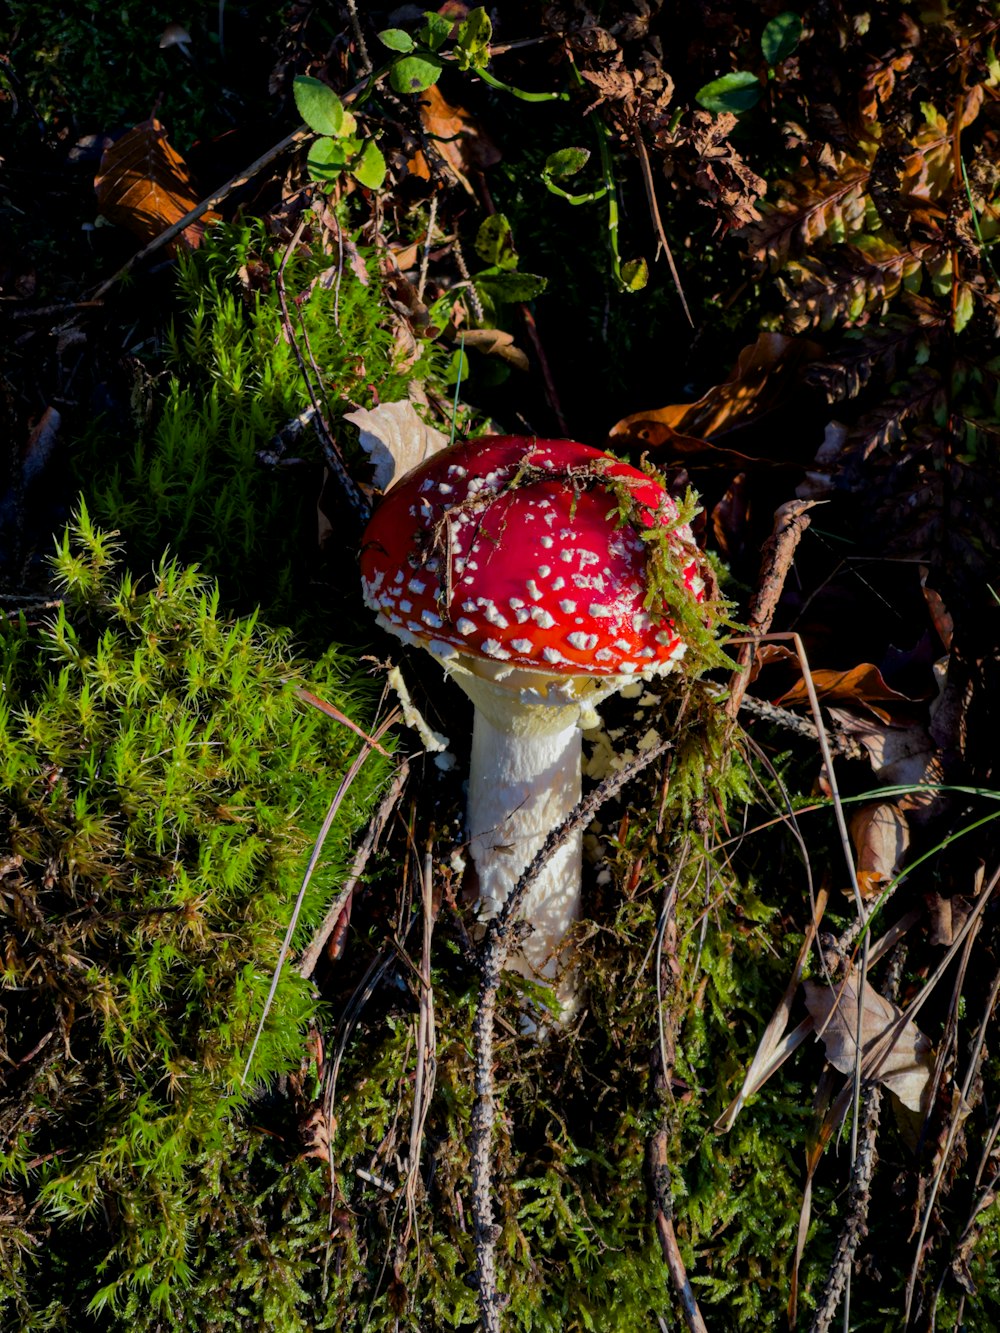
[(510, 548)]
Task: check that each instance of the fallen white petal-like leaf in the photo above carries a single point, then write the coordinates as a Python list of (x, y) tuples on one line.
[(396, 438)]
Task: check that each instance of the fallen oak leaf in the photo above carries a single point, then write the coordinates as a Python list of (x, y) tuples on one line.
[(144, 185), (897, 1056)]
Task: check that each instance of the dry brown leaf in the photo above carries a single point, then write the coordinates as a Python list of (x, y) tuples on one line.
[(946, 916), (145, 185), (862, 684), (903, 1065), (881, 836), (458, 139), (764, 372), (396, 439)]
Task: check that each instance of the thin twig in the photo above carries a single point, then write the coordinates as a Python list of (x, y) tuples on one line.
[(493, 955), (331, 450), (425, 258), (654, 208), (310, 956), (423, 1080), (331, 814)]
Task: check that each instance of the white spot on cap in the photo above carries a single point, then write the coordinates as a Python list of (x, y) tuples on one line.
[(544, 571), (400, 576), (465, 626), (522, 645), (589, 558), (567, 606), (445, 489), (566, 555), (455, 471), (493, 648), (492, 614), (584, 643), (515, 602), (534, 592), (405, 605), (623, 645), (553, 655), (431, 618), (598, 611), (415, 586), (603, 655), (546, 542), (541, 617)]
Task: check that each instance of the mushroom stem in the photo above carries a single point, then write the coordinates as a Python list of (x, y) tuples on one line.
[(522, 785)]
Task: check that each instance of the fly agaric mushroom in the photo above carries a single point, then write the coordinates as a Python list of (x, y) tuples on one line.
[(524, 567)]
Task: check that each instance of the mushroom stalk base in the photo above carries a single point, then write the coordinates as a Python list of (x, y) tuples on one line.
[(521, 788)]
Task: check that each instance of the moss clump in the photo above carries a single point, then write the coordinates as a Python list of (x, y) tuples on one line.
[(159, 787), (189, 476)]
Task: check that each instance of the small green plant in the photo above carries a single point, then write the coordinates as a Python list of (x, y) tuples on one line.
[(160, 786), (339, 148), (742, 89)]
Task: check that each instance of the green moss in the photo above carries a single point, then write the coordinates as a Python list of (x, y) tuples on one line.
[(159, 788)]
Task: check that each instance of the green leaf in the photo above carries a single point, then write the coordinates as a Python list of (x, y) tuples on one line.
[(566, 162), (964, 307), (370, 171), (326, 160), (412, 74), (781, 36), (734, 92), (504, 288), (635, 274), (472, 47), (495, 243), (397, 40), (436, 30), (319, 106), (458, 368)]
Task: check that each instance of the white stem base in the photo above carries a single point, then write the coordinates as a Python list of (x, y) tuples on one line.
[(521, 787)]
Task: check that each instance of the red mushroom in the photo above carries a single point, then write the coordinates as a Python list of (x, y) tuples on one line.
[(506, 558)]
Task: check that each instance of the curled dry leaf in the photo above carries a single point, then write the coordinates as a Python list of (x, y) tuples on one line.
[(881, 836), (496, 342), (901, 1060), (396, 439), (145, 185), (764, 373)]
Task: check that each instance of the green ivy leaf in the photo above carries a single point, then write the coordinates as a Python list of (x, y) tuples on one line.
[(436, 30), (326, 160), (495, 243), (458, 368), (370, 171), (318, 105), (635, 274), (780, 38), (504, 288), (734, 92), (412, 74), (566, 162), (397, 40), (472, 47)]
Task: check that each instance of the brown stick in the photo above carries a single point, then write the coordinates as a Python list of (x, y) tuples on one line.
[(310, 957), (790, 522)]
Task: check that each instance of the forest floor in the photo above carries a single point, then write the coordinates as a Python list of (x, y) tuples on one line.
[(748, 246)]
